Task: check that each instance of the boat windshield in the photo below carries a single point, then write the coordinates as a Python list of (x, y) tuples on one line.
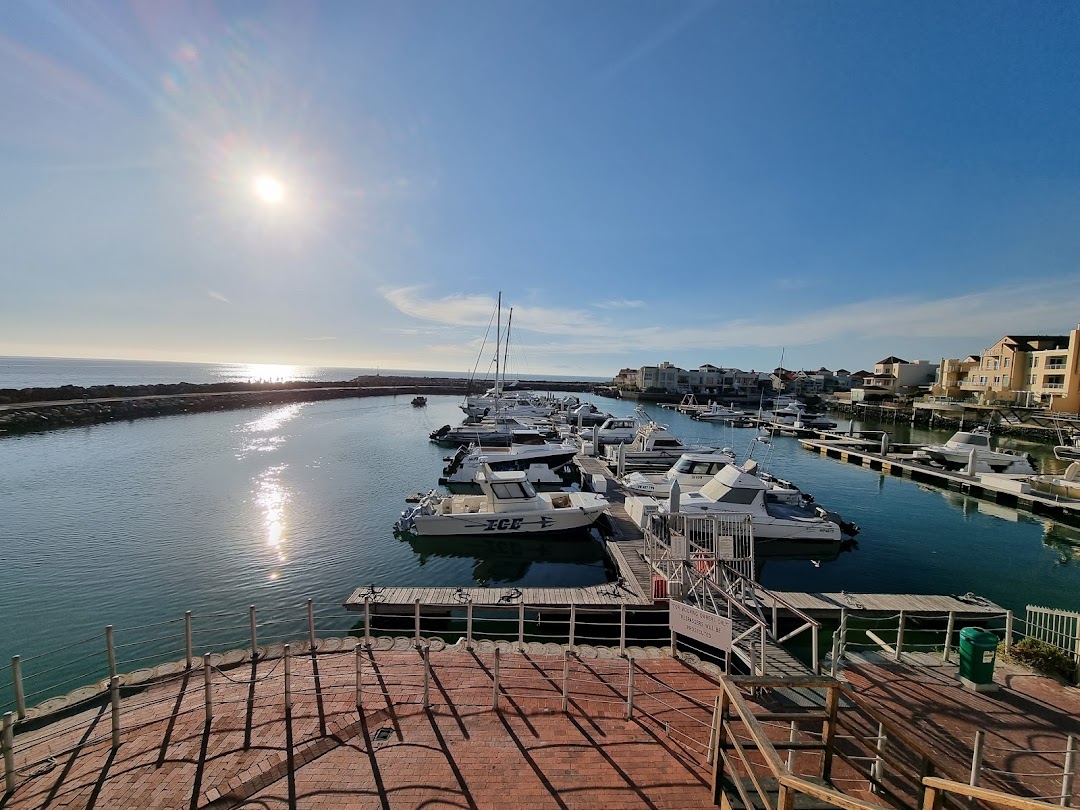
[(975, 439)]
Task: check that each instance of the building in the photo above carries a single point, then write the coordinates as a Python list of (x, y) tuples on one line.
[(1024, 370), (897, 377)]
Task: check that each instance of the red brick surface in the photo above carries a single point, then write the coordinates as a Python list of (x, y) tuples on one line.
[(321, 753)]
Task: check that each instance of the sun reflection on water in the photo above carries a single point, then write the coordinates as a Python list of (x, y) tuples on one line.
[(254, 433), (271, 497)]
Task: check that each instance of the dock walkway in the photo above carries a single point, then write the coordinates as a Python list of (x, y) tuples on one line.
[(1008, 490), (830, 605)]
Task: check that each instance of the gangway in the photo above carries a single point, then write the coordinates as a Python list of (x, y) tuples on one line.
[(708, 561)]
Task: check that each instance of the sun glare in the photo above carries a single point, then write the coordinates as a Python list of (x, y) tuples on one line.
[(269, 189)]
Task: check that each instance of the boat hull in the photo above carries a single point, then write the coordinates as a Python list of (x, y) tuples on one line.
[(494, 524)]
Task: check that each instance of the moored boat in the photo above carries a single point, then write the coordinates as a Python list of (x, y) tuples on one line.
[(509, 505), (692, 471), (419, 401), (971, 449)]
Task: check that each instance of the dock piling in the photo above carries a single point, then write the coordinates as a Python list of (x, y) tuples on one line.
[(311, 624), (521, 625), (948, 636), (565, 679), (629, 687), (900, 636), (573, 624), (468, 625), (622, 629), (427, 677)]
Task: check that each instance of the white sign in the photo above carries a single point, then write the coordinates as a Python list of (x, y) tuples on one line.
[(700, 625)]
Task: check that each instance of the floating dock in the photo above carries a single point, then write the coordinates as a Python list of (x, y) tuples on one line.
[(1008, 490)]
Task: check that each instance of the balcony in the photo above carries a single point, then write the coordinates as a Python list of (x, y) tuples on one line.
[(1053, 386), (1056, 366)]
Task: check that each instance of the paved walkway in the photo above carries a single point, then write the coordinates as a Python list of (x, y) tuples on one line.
[(321, 753), (1026, 722)]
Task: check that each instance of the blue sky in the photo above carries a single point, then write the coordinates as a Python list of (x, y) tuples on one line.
[(643, 180)]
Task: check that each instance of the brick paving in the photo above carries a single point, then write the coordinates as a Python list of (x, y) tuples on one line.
[(320, 752), (1026, 722)]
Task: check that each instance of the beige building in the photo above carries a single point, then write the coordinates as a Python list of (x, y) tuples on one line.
[(1025, 370)]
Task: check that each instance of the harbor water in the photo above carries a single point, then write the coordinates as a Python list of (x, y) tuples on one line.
[(133, 523)]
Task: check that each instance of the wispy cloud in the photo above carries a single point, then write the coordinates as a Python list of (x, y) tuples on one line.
[(1033, 308), (656, 40), (321, 338), (620, 303), (218, 296)]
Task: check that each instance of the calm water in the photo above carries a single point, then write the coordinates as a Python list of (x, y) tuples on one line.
[(133, 523), (52, 372)]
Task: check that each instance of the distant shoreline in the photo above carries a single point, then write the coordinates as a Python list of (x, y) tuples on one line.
[(36, 409)]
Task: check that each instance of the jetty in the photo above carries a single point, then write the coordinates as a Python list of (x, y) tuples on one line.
[(1002, 488)]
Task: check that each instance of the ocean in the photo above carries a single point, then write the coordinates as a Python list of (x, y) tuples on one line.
[(52, 372), (132, 523)]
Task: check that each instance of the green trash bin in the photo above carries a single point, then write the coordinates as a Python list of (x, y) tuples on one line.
[(978, 653)]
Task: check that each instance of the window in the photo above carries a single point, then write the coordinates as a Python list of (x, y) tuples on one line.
[(1005, 363), (1005, 380), (997, 380), (1035, 362)]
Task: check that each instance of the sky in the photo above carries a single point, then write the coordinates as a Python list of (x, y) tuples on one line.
[(353, 184)]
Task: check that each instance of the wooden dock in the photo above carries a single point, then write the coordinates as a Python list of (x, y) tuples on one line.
[(1008, 490), (830, 605), (609, 595)]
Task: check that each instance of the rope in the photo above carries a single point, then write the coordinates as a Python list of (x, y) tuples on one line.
[(249, 680)]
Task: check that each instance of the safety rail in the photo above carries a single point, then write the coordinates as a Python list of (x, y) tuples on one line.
[(938, 633), (841, 740), (937, 789)]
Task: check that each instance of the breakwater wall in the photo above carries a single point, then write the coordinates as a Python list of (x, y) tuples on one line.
[(36, 409)]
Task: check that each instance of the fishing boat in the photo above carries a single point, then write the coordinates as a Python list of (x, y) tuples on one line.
[(692, 471), (1068, 452), (716, 413), (419, 402), (971, 450), (653, 445), (778, 512), (509, 505), (542, 462)]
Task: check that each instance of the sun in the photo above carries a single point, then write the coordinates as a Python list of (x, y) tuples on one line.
[(269, 189)]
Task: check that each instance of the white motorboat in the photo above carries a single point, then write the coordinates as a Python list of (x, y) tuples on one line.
[(616, 430), (1068, 452), (509, 506), (653, 445), (970, 450), (585, 414), (716, 413), (797, 417), (499, 432), (692, 471), (778, 512), (541, 462), (512, 405)]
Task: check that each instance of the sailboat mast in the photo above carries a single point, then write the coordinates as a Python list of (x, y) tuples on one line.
[(506, 344), (498, 344)]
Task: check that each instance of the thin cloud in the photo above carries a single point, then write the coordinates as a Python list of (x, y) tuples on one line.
[(1035, 308), (652, 43), (321, 338), (218, 296), (621, 303)]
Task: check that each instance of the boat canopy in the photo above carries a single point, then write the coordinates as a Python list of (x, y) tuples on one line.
[(974, 439), (733, 485)]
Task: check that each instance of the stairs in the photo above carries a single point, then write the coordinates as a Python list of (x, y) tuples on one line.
[(731, 797)]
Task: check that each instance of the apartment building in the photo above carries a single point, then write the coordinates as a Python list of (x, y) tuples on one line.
[(1025, 370)]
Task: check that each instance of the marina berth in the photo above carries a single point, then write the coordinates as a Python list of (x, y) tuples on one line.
[(509, 505), (494, 432), (617, 430), (970, 450)]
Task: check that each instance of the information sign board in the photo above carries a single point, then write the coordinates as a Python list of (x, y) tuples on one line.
[(700, 625)]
